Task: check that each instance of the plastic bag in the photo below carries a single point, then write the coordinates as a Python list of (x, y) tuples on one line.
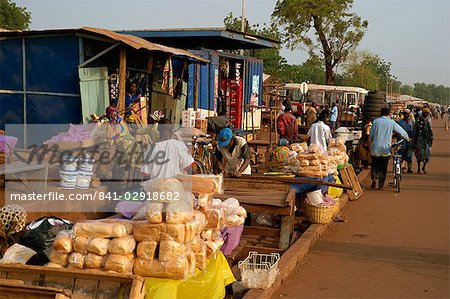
[(264, 219), (40, 234), (17, 254)]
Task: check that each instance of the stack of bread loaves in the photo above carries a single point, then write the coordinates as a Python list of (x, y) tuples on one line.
[(104, 244), (313, 163), (169, 240), (337, 154)]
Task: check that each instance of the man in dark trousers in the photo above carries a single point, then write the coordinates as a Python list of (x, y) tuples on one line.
[(381, 138)]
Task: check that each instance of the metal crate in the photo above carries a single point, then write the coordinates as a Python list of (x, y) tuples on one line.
[(259, 271)]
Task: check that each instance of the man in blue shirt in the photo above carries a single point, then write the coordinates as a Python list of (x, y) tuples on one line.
[(381, 137), (334, 116)]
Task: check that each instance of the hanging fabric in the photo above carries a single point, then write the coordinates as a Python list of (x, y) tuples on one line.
[(167, 84)]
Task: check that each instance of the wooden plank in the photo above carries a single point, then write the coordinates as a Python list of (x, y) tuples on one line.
[(250, 183), (252, 208), (297, 180), (349, 177), (262, 231), (122, 79), (254, 200), (287, 227)]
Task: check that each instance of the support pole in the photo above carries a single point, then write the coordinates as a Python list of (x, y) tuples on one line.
[(122, 78)]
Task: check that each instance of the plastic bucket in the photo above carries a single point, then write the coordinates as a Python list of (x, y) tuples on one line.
[(69, 163), (84, 179), (68, 179), (315, 197), (86, 164)]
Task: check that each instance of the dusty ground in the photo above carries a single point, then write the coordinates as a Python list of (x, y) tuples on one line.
[(393, 246)]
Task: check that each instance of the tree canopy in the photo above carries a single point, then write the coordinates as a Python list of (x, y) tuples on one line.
[(327, 29), (13, 16)]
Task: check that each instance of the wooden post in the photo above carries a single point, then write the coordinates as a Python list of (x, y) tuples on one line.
[(122, 79)]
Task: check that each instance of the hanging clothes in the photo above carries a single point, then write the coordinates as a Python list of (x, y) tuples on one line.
[(167, 84)]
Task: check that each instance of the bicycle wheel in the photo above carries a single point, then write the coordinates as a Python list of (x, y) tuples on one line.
[(397, 179), (197, 167)]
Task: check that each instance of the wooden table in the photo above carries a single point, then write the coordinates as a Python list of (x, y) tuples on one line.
[(33, 175), (265, 197)]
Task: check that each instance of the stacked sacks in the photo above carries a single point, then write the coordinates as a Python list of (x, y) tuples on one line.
[(103, 244)]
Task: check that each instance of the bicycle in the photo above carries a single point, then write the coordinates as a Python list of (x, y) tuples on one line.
[(397, 165), (202, 154)]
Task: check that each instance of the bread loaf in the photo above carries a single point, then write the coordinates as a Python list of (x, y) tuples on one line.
[(313, 148), (200, 257), (64, 241), (119, 263), (314, 162), (169, 250), (176, 269), (98, 246), (191, 261), (125, 245), (94, 261), (102, 229), (145, 231), (146, 250), (178, 217), (154, 212), (215, 218), (173, 232), (312, 156), (201, 184), (54, 265), (127, 224), (195, 244), (195, 226), (76, 260), (205, 200), (80, 244), (59, 258), (162, 186)]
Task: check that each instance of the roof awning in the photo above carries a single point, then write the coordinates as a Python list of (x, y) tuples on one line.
[(140, 43)]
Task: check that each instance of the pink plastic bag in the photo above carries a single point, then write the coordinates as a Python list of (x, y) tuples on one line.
[(231, 237), (7, 143)]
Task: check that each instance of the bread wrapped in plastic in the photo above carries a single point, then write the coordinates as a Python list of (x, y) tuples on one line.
[(169, 250), (213, 246), (154, 212), (126, 223), (98, 246), (310, 173), (76, 260), (196, 244), (200, 257), (102, 229), (181, 211), (59, 258), (173, 232), (313, 148), (145, 231), (80, 244), (215, 218), (303, 162), (241, 212), (125, 245), (176, 269), (332, 142), (235, 220), (146, 250), (205, 200), (94, 261), (195, 226), (163, 186), (202, 183), (314, 162), (64, 241), (310, 156), (119, 263), (190, 255), (54, 265)]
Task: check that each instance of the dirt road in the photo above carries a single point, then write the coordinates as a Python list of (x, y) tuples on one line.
[(393, 246)]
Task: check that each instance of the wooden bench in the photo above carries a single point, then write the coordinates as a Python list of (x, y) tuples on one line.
[(33, 175), (265, 197)]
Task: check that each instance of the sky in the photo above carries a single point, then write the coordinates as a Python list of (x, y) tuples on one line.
[(412, 34)]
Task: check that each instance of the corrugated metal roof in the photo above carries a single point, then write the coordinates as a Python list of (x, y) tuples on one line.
[(129, 40), (140, 43)]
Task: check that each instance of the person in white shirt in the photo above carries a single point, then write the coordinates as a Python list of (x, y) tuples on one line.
[(167, 157), (320, 133), (334, 115)]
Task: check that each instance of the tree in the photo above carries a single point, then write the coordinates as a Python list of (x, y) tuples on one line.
[(13, 16), (326, 28)]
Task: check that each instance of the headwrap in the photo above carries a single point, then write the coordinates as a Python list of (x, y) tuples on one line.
[(426, 110), (283, 142)]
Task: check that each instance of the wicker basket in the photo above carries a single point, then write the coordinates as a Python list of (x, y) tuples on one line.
[(320, 214)]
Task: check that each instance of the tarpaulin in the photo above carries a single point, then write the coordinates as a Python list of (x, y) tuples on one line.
[(207, 284)]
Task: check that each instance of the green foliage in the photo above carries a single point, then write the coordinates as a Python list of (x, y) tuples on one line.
[(326, 29), (431, 92), (13, 16)]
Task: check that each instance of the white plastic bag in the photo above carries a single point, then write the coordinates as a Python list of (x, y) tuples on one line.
[(17, 254)]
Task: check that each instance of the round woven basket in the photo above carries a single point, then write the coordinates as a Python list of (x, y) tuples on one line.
[(320, 214)]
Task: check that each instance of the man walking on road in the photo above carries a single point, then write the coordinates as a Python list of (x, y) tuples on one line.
[(423, 140), (334, 116), (381, 138)]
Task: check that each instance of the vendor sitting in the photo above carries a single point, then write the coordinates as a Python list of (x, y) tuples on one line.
[(233, 154)]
